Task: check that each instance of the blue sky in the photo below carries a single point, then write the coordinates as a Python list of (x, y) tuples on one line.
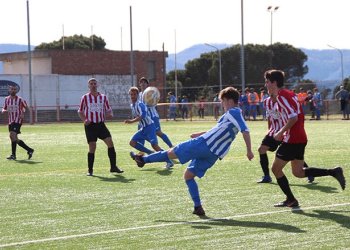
[(302, 23)]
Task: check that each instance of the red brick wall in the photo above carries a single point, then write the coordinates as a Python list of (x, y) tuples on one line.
[(78, 62)]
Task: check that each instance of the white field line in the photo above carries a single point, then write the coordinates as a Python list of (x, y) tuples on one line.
[(165, 225)]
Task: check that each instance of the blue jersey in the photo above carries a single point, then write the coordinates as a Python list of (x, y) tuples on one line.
[(220, 137), (139, 109), (151, 110)]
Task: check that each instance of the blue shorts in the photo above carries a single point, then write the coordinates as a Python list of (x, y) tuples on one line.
[(147, 133), (156, 122), (196, 151)]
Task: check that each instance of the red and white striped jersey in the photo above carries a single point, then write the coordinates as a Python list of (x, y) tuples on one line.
[(275, 118), (15, 107), (289, 106), (94, 107)]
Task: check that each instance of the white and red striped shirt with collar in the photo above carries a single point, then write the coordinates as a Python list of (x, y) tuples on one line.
[(15, 107), (289, 107), (274, 116), (94, 107)]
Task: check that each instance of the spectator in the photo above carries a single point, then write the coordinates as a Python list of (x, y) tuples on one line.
[(344, 97), (302, 95), (217, 105), (172, 106), (253, 99), (201, 108), (317, 100), (184, 107)]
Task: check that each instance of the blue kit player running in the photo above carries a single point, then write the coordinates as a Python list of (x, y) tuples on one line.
[(147, 130), (205, 148)]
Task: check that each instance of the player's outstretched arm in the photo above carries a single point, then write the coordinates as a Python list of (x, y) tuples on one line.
[(194, 135), (246, 137)]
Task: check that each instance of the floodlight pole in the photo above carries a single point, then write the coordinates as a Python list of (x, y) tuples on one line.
[(29, 68), (341, 61), (219, 53), (272, 9)]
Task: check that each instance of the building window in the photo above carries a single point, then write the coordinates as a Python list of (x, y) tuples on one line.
[(151, 70)]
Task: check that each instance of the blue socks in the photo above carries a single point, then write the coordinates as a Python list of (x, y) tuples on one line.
[(160, 156), (166, 139), (142, 148), (194, 192)]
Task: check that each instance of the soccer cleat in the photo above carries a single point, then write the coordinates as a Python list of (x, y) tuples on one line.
[(339, 175), (30, 154), (310, 179), (89, 174), (265, 179), (199, 211), (169, 165), (288, 203), (11, 157), (138, 158), (116, 170)]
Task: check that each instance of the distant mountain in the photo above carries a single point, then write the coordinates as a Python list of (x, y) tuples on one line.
[(324, 65)]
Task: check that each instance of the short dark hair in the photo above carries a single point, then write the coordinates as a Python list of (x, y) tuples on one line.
[(229, 93), (275, 75), (144, 79)]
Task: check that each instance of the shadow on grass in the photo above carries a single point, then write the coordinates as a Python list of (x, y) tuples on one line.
[(30, 162), (208, 223), (315, 186), (335, 216), (162, 171), (114, 178)]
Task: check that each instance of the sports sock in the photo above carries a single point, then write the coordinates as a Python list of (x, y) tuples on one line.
[(194, 192), (112, 157), (160, 156), (315, 172), (264, 162), (142, 148), (91, 159), (284, 185), (23, 145), (166, 139), (13, 147)]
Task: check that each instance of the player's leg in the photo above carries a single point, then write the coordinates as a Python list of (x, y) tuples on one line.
[(264, 163), (105, 135), (13, 139), (194, 192), (91, 157), (21, 143)]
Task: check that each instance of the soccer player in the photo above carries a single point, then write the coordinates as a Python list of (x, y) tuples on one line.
[(147, 130), (93, 110), (294, 139), (205, 148), (15, 106), (144, 83), (269, 143)]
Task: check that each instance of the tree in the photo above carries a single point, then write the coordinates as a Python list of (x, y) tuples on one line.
[(203, 71), (74, 42)]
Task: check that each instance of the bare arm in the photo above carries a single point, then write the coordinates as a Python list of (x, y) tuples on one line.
[(246, 137), (136, 119), (195, 135)]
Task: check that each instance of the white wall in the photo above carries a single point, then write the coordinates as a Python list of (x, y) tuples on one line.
[(50, 91)]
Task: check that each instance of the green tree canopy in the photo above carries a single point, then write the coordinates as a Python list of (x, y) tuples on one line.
[(74, 42), (203, 71)]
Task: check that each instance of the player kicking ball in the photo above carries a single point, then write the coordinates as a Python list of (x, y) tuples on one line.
[(205, 148)]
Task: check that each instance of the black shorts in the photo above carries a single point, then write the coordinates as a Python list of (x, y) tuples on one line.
[(96, 130), (270, 142), (15, 127), (290, 152)]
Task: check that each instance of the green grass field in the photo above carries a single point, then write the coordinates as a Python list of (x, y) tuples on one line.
[(49, 203)]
